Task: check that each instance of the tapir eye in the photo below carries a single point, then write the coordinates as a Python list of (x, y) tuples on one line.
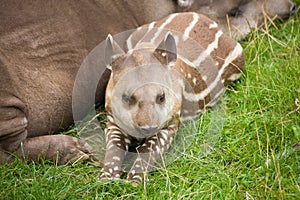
[(130, 100), (161, 98)]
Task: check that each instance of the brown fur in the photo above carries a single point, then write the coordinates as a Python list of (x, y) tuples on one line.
[(152, 86), (43, 43), (237, 17)]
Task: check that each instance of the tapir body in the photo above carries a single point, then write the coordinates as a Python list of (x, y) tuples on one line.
[(172, 71), (42, 45)]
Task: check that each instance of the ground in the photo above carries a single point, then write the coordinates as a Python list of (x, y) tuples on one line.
[(251, 160)]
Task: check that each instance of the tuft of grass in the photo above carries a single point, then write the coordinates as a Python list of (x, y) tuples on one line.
[(253, 159)]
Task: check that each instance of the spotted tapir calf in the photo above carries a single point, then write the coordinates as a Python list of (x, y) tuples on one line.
[(172, 70)]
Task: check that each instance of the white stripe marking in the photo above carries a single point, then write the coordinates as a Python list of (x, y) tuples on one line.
[(209, 49), (232, 56), (115, 139), (129, 40), (151, 142), (137, 177), (162, 141), (161, 28), (213, 25), (190, 26), (216, 98)]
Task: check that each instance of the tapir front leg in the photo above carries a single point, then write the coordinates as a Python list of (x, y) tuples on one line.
[(117, 144), (150, 152)]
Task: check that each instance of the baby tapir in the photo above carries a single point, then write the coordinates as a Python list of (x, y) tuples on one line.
[(172, 70)]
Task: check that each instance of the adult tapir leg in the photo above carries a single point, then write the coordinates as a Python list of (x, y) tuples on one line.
[(15, 137), (13, 124)]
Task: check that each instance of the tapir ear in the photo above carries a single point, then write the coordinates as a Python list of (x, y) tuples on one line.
[(112, 51), (166, 52)]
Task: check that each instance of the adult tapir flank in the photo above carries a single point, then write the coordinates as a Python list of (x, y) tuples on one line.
[(42, 45), (237, 17)]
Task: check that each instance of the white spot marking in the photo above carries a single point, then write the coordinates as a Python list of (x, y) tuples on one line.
[(116, 168), (116, 158), (234, 77), (127, 141), (195, 81)]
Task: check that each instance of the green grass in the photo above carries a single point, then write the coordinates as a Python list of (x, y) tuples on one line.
[(262, 123)]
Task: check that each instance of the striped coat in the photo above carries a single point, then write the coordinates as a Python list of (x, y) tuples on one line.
[(172, 69)]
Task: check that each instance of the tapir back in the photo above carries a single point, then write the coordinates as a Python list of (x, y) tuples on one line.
[(208, 59)]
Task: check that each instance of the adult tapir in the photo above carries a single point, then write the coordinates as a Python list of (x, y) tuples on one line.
[(42, 45)]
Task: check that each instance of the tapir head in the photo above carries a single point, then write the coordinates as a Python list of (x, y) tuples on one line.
[(141, 94)]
